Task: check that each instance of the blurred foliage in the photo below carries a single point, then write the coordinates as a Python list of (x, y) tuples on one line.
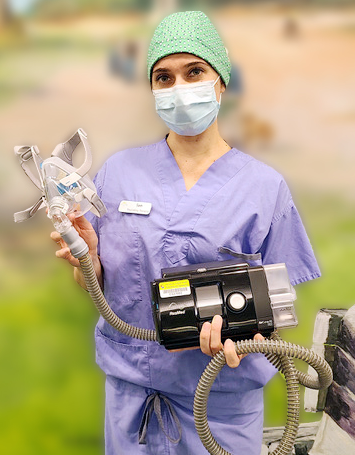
[(51, 392), (26, 62), (63, 8)]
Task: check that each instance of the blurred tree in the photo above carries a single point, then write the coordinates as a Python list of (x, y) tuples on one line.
[(57, 9), (65, 8), (5, 14)]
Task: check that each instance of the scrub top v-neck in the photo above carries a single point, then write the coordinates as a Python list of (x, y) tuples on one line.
[(183, 208)]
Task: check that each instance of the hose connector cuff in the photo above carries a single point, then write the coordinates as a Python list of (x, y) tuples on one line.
[(77, 245)]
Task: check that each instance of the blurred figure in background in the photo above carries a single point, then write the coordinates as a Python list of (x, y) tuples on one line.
[(241, 127), (291, 28), (123, 60)]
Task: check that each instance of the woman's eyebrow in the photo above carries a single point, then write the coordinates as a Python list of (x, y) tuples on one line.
[(161, 70), (199, 62), (188, 65)]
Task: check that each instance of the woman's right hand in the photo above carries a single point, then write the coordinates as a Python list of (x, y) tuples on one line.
[(87, 232)]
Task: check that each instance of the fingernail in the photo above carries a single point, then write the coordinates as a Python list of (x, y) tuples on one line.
[(206, 326)]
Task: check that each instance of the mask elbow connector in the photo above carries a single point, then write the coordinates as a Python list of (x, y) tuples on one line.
[(57, 214), (69, 234)]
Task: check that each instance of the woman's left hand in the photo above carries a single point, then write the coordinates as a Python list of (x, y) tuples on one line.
[(210, 342)]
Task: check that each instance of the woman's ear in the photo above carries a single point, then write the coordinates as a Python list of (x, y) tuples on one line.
[(223, 87)]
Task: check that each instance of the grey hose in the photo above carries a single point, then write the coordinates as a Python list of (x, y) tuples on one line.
[(286, 366), (100, 302), (278, 352)]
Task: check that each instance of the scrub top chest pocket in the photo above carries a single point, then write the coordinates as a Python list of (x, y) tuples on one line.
[(253, 259), (120, 246)]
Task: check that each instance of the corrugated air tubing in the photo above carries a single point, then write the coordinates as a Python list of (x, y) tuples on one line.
[(278, 352)]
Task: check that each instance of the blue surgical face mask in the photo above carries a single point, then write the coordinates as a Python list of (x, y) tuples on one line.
[(188, 109)]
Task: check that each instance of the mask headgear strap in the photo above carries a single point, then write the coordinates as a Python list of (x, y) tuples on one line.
[(65, 152), (30, 212), (26, 154)]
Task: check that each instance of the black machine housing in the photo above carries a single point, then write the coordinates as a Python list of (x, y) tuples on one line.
[(188, 296)]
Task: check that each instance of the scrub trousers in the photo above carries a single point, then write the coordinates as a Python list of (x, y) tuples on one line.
[(235, 419)]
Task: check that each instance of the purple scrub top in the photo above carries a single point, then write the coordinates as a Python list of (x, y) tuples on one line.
[(238, 207)]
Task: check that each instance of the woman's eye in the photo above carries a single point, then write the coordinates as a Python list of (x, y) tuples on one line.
[(163, 78), (196, 71)]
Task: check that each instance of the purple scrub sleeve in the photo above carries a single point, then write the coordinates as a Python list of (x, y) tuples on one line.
[(239, 208)]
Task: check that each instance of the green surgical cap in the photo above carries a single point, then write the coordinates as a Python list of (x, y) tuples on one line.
[(190, 32)]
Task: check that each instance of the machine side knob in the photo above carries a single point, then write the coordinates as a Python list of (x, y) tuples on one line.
[(236, 301)]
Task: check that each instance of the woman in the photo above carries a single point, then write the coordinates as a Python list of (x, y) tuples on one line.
[(209, 202)]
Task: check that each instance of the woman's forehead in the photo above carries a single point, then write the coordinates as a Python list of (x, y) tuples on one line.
[(179, 59)]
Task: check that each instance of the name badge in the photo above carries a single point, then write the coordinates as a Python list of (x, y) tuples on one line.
[(139, 208)]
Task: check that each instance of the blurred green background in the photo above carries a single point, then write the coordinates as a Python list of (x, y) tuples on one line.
[(65, 65)]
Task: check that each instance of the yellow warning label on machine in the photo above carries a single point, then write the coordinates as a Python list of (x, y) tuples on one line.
[(174, 288)]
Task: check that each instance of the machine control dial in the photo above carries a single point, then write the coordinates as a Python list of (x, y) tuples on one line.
[(236, 301)]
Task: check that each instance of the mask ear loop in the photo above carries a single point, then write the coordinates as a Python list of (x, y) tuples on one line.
[(220, 95), (215, 82)]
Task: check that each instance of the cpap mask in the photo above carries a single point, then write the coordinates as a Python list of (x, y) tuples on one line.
[(65, 189)]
